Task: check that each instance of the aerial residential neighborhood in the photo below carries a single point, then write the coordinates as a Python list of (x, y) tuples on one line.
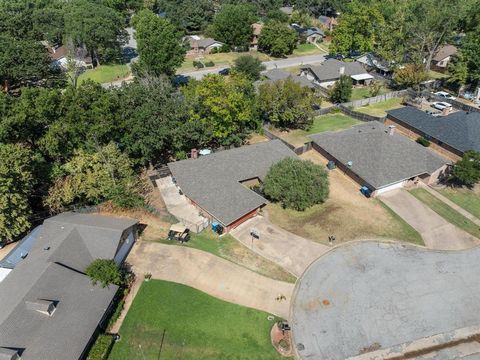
[(219, 179)]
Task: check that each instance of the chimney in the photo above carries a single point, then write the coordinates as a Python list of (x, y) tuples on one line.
[(194, 153), (342, 70), (42, 306), (446, 111), (391, 130)]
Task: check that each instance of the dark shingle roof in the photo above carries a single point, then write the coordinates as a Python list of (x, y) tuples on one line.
[(330, 69), (279, 75), (204, 43), (53, 271), (460, 130), (377, 157), (444, 52), (213, 181)]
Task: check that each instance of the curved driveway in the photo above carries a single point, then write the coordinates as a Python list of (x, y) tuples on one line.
[(211, 274)]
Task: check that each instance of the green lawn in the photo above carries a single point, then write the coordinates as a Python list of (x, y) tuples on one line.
[(434, 75), (465, 198), (221, 59), (193, 325), (230, 249), (363, 92), (379, 109), (105, 73), (306, 49), (446, 212)]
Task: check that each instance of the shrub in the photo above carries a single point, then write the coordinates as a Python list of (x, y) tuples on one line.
[(467, 170), (209, 64), (105, 272), (198, 65), (424, 142), (102, 347), (224, 49), (296, 184), (342, 90)]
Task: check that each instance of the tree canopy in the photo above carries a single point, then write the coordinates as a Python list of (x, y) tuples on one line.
[(342, 90), (105, 272), (467, 170), (249, 66), (296, 184), (159, 44), (277, 39), (287, 104)]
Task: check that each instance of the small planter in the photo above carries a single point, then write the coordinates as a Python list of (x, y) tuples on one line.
[(147, 277)]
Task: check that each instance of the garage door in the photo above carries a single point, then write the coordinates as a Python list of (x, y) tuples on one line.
[(390, 187)]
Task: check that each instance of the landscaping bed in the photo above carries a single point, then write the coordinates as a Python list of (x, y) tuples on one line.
[(173, 321), (347, 214), (445, 211)]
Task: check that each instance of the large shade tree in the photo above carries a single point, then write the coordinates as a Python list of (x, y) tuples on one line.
[(277, 39)]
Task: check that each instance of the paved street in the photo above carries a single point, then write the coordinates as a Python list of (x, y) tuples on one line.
[(437, 233), (274, 64), (211, 274), (290, 251)]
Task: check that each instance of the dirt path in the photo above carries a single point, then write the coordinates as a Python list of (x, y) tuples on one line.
[(435, 230), (292, 252), (211, 274)]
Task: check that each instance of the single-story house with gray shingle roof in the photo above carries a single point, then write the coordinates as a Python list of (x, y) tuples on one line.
[(451, 135), (377, 157), (203, 45), (310, 34), (280, 75), (214, 182), (49, 308), (330, 71)]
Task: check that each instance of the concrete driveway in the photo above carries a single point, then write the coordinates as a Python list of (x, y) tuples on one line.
[(437, 232), (211, 274), (290, 251)]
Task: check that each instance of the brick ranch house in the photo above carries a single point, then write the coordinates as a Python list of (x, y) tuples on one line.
[(219, 184), (373, 155), (450, 135)]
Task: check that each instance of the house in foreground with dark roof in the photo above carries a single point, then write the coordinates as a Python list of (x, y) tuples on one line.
[(282, 75), (49, 308), (451, 135), (217, 184), (326, 74), (375, 156)]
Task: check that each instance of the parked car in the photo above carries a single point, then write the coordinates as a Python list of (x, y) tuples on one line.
[(335, 56), (224, 72), (445, 95), (441, 105)]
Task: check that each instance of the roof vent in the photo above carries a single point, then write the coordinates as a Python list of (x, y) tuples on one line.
[(9, 354), (350, 163), (46, 307)]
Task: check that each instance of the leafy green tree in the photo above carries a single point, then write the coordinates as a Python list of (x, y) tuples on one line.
[(287, 104), (159, 44), (467, 170), (470, 54), (95, 177), (410, 76), (250, 66), (301, 17), (16, 185), (277, 15), (97, 27), (225, 106), (458, 70), (155, 122), (356, 28), (105, 272), (296, 184), (192, 16), (342, 90), (277, 39), (22, 62), (233, 25)]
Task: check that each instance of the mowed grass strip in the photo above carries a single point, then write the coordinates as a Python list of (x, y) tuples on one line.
[(105, 73), (469, 199), (445, 211), (380, 109), (232, 250), (194, 325)]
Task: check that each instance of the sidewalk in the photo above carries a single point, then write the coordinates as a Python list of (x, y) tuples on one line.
[(450, 203)]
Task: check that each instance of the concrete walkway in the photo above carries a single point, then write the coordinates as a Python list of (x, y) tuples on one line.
[(179, 206), (292, 252), (211, 274), (436, 232), (450, 203)]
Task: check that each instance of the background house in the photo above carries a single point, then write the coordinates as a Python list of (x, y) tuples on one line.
[(256, 30), (373, 155), (329, 72), (327, 22), (202, 46), (373, 63), (49, 308), (443, 57), (59, 57), (451, 135)]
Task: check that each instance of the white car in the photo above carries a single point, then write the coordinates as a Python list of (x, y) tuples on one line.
[(445, 95), (441, 105)]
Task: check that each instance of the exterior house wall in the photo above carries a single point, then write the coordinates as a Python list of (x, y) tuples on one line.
[(436, 145), (244, 218), (436, 175), (385, 189), (126, 243)]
